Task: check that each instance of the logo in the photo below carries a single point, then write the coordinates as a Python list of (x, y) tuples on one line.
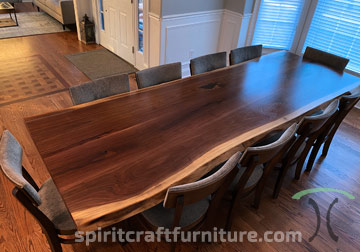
[(312, 202)]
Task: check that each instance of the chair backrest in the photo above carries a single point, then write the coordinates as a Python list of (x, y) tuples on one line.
[(246, 53), (199, 190), (263, 154), (331, 60), (99, 88), (347, 102), (159, 74), (11, 165), (309, 129), (207, 63), (269, 154), (313, 123)]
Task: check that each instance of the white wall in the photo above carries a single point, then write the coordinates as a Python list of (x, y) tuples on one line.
[(81, 7), (190, 35), (173, 7)]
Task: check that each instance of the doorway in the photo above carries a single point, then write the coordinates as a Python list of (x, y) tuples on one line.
[(117, 32)]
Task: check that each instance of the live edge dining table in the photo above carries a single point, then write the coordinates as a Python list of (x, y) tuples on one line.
[(113, 158)]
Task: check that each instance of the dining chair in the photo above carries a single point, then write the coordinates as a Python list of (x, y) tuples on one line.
[(347, 102), (44, 203), (207, 63), (159, 74), (246, 53), (254, 168), (99, 88), (331, 60), (194, 205), (309, 129)]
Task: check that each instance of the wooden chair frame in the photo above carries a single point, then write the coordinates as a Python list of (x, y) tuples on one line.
[(347, 102), (52, 234), (206, 222), (250, 159), (308, 131)]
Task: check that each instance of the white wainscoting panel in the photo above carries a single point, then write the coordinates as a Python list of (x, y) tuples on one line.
[(188, 36), (230, 30), (244, 30)]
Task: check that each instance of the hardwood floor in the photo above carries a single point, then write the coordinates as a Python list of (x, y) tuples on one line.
[(340, 170)]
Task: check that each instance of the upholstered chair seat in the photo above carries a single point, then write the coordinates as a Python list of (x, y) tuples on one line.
[(54, 207), (253, 179), (99, 89), (163, 217)]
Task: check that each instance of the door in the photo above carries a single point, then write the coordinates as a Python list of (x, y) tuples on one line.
[(117, 34)]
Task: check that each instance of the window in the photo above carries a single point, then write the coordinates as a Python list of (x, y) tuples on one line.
[(140, 25), (335, 28), (102, 25), (276, 23)]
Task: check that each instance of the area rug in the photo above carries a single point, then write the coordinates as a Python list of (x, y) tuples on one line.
[(30, 23), (37, 78), (100, 63)]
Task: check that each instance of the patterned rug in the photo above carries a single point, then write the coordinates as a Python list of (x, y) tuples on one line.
[(30, 23), (37, 78)]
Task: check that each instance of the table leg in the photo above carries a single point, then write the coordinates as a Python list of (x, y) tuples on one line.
[(17, 24)]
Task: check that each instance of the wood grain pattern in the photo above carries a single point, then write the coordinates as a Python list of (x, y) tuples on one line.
[(115, 158)]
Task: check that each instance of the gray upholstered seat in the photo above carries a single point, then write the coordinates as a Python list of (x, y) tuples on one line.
[(207, 63), (246, 53), (99, 88), (163, 217), (54, 207), (336, 62), (159, 74), (253, 180)]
